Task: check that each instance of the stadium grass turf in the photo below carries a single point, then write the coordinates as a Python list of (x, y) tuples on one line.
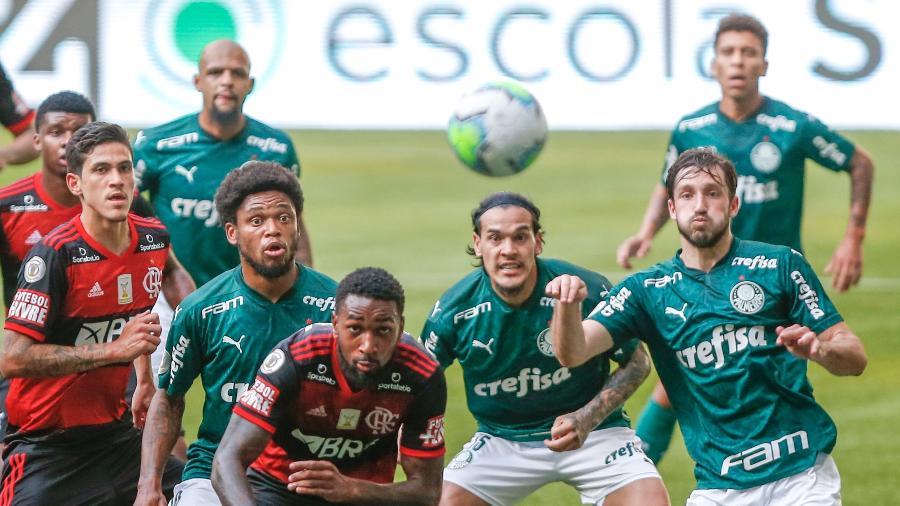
[(400, 200)]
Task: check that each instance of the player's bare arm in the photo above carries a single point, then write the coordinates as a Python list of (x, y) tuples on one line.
[(241, 444), (574, 341), (143, 390), (837, 349), (22, 356), (20, 150), (656, 215), (161, 430), (322, 478), (846, 263), (177, 283), (304, 246), (571, 429)]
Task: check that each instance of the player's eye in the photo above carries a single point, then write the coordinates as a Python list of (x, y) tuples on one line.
[(256, 221), (285, 218)]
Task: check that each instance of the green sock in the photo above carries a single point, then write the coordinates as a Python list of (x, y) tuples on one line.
[(655, 429)]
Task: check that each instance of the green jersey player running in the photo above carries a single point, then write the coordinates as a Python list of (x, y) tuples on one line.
[(768, 142), (731, 325), (495, 322), (223, 331)]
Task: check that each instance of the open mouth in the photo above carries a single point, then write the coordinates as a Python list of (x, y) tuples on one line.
[(275, 250)]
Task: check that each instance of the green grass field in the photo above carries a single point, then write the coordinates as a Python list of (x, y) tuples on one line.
[(400, 200)]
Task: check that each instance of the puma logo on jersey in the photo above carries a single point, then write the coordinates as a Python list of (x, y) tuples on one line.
[(677, 312), (236, 344), (485, 346), (187, 173)]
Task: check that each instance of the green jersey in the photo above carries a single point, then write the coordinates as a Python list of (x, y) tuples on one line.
[(745, 406), (515, 387), (768, 150), (182, 166), (222, 332)]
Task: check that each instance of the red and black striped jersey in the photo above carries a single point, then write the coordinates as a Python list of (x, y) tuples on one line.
[(73, 291), (15, 115), (302, 398), (27, 214)]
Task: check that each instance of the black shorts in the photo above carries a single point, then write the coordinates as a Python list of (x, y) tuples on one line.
[(82, 466), (272, 492)]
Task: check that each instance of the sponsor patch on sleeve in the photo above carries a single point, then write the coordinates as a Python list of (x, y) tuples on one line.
[(30, 306), (433, 436), (260, 398)]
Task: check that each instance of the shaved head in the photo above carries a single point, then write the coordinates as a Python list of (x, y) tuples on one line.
[(222, 47)]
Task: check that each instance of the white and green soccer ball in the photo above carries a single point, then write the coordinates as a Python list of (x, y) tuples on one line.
[(498, 130)]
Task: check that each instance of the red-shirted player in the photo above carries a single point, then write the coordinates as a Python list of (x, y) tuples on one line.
[(323, 419), (78, 318), (16, 116)]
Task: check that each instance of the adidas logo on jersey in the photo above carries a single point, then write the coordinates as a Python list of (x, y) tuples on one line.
[(320, 411), (96, 290), (34, 238)]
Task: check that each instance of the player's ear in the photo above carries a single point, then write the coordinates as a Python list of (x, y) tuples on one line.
[(252, 85), (765, 68), (36, 140), (539, 243), (476, 244), (73, 181), (734, 206), (671, 205), (197, 82), (231, 233)]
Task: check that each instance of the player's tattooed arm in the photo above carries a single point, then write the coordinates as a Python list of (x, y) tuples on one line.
[(570, 430), (177, 283), (241, 444), (23, 356), (846, 263), (161, 430), (323, 479)]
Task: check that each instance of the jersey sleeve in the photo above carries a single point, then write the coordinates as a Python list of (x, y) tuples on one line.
[(270, 395), (14, 114), (437, 337), (827, 147), (183, 360), (145, 171), (621, 312), (423, 430), (291, 160), (809, 304), (40, 294)]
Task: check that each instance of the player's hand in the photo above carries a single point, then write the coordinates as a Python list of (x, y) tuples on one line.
[(633, 246), (567, 289), (845, 266), (799, 340), (140, 402), (320, 478), (150, 496), (568, 433), (140, 336)]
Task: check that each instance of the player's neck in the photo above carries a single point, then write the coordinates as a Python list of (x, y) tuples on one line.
[(270, 288), (221, 131), (57, 189), (112, 235), (704, 259), (739, 109)]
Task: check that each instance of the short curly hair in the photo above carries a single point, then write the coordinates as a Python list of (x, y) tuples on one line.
[(503, 199), (703, 160), (255, 177), (372, 282), (88, 137), (64, 101)]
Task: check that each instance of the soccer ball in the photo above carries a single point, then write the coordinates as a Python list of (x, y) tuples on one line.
[(498, 129)]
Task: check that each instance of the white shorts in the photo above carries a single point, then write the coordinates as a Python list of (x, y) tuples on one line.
[(500, 471), (820, 485), (164, 310), (195, 492)]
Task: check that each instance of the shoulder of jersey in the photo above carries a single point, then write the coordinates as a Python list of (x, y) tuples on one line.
[(311, 342), (313, 279), (412, 355), (755, 248), (463, 291), (706, 110), (14, 192), (556, 267), (259, 128), (221, 289), (149, 137)]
